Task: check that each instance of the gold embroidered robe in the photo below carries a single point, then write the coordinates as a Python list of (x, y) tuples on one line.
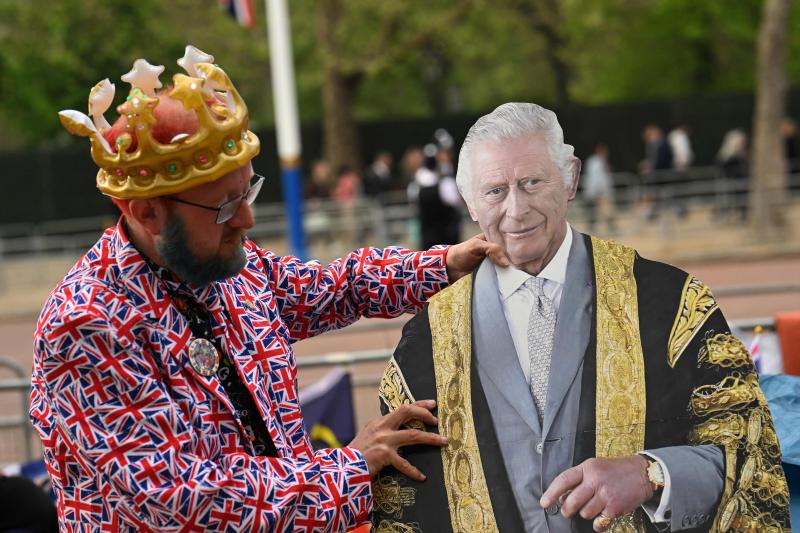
[(661, 369)]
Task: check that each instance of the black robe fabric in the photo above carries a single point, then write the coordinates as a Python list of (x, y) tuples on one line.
[(429, 511), (701, 390)]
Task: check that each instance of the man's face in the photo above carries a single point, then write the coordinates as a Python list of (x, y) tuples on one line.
[(520, 199), (193, 245)]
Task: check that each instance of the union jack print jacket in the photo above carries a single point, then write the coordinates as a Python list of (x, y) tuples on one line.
[(136, 440)]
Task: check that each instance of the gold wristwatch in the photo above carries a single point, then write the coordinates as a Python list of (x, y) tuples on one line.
[(655, 474)]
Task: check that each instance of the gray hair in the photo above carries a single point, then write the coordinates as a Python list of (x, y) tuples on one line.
[(516, 120)]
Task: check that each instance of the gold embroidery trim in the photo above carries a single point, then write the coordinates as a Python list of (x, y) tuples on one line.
[(724, 350), (756, 483), (449, 315), (697, 304), (731, 393), (389, 526), (390, 498), (727, 511), (727, 430), (620, 408), (394, 391)]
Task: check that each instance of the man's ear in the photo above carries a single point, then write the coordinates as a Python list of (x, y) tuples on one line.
[(150, 213), (122, 205), (575, 174)]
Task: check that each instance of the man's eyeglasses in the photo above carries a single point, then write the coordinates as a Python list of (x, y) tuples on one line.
[(226, 211)]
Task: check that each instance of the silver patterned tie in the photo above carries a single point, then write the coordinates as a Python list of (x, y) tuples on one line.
[(541, 330)]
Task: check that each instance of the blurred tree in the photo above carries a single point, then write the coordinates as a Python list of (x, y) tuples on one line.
[(494, 57), (52, 53), (360, 39), (544, 18), (769, 169), (623, 50)]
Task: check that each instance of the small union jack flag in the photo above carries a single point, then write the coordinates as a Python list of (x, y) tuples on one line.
[(755, 347), (241, 10)]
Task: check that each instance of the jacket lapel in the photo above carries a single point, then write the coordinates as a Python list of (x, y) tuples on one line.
[(572, 328), (261, 356), (494, 347)]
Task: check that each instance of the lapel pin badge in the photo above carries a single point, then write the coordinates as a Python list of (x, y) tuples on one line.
[(204, 357)]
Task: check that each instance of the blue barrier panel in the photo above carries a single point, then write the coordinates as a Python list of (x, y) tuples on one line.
[(783, 395)]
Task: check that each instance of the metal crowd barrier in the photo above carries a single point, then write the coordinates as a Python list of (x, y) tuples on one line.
[(391, 219), (20, 385)]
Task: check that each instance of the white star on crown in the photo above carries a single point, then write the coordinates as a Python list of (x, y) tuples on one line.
[(144, 76), (191, 57)]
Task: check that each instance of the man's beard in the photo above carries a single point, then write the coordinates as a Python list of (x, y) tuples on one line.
[(184, 263)]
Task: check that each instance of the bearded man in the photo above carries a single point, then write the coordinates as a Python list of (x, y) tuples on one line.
[(164, 384)]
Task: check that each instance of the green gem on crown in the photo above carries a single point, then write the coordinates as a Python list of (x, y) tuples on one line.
[(119, 142), (230, 144), (172, 167)]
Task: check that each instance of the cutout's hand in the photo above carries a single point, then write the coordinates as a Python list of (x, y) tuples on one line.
[(601, 489)]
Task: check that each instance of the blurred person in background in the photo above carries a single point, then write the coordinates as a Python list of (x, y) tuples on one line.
[(378, 177), (164, 384), (444, 163), (584, 388), (598, 188), (682, 159), (681, 146), (655, 169), (317, 219), (444, 157), (437, 199), (347, 193), (734, 171), (413, 158), (321, 183), (791, 146), (378, 184)]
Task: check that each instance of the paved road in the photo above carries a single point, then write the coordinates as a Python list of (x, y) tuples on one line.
[(16, 334)]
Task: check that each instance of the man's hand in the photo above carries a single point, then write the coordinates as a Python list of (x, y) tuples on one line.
[(601, 489), (381, 437), (465, 257)]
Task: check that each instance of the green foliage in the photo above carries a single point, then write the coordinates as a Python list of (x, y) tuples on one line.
[(52, 53), (638, 50), (414, 62), (497, 58)]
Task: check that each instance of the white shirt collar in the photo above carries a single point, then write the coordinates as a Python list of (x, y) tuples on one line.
[(509, 279)]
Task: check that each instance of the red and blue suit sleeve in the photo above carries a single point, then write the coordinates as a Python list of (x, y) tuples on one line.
[(369, 282)]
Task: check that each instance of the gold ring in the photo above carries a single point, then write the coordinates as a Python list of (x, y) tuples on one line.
[(603, 521)]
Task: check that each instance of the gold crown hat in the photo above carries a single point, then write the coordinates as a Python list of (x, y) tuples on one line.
[(221, 144)]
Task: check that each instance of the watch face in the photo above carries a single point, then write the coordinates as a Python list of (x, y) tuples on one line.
[(656, 473)]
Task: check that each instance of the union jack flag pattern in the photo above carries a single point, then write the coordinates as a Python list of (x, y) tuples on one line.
[(135, 440)]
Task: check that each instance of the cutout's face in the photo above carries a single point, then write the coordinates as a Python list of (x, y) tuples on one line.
[(520, 199)]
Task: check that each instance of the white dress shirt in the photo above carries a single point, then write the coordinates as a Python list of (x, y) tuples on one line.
[(518, 301)]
